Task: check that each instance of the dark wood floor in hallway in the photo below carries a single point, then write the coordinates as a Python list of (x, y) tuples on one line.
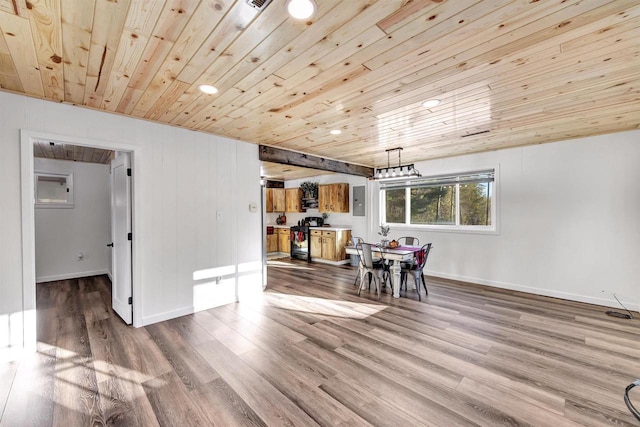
[(310, 352)]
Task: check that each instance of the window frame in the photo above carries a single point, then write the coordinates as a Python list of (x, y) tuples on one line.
[(68, 176), (457, 227)]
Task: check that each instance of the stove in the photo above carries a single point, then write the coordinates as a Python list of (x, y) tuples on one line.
[(300, 248), (301, 237)]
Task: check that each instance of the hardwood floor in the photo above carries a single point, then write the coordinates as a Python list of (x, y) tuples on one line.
[(309, 351)]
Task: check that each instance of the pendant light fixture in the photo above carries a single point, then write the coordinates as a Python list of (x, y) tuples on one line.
[(395, 172)]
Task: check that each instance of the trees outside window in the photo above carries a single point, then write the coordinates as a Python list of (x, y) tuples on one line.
[(395, 206), (433, 205), (459, 201), (475, 204)]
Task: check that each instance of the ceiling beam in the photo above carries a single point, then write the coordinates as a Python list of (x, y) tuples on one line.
[(278, 155)]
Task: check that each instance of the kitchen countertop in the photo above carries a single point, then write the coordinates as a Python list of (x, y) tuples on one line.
[(331, 228)]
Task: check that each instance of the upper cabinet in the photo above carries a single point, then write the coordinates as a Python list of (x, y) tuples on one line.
[(333, 198), (275, 200), (294, 200), (283, 200), (279, 200), (268, 200)]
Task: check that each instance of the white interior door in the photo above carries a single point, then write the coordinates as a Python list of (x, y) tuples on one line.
[(121, 238)]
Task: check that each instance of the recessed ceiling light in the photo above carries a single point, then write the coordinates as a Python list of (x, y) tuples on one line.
[(208, 89), (430, 103), (335, 132), (301, 9)]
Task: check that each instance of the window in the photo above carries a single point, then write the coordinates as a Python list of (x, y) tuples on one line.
[(463, 201), (433, 205), (53, 190), (475, 203), (395, 206)]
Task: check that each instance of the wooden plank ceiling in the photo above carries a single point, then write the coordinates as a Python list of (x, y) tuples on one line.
[(507, 72), (60, 151)]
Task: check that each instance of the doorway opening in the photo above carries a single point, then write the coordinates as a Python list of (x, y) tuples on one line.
[(121, 156)]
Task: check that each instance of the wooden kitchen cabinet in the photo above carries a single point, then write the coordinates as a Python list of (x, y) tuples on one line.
[(293, 200), (268, 200), (329, 244), (284, 242), (324, 198), (275, 200), (316, 243), (272, 242), (333, 198)]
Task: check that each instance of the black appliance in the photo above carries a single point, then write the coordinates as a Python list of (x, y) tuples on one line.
[(301, 236), (300, 248), (313, 221)]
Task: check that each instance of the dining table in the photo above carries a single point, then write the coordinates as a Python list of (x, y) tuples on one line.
[(398, 255)]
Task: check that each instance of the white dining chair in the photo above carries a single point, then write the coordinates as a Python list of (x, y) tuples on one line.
[(376, 271), (408, 240)]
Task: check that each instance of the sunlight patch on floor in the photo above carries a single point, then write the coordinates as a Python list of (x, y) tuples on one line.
[(72, 375), (328, 307), (70, 365)]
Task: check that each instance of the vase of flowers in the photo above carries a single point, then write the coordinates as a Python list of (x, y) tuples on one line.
[(384, 232)]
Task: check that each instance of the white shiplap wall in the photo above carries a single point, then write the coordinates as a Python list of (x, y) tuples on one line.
[(63, 233), (567, 224), (192, 209), (11, 309)]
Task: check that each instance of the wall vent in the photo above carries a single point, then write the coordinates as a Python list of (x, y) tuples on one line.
[(475, 133), (258, 4)]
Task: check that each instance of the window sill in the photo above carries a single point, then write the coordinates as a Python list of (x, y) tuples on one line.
[(54, 205), (445, 229)]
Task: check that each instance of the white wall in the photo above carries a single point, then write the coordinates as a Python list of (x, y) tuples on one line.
[(358, 224), (192, 193), (63, 233), (568, 221)]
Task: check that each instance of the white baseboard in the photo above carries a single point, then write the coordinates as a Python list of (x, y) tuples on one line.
[(538, 291), (168, 315), (42, 279)]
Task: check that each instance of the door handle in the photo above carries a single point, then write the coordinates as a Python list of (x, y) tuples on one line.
[(110, 244)]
